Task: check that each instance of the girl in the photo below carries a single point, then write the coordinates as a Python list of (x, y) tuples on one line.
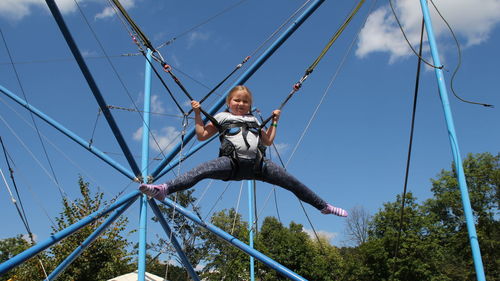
[(241, 154)]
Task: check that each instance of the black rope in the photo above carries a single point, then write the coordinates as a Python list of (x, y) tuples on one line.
[(419, 55), (168, 42), (163, 83), (139, 46), (222, 82), (20, 211), (31, 115), (255, 51), (119, 79), (459, 62), (304, 210), (410, 145), (142, 111), (91, 141), (56, 13), (160, 59)]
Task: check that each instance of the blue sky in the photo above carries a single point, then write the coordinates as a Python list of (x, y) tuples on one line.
[(353, 152)]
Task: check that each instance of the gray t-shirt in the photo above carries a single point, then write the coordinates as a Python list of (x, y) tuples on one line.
[(253, 139)]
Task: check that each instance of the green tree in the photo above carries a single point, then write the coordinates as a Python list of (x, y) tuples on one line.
[(293, 248), (33, 269), (434, 242), (224, 261), (186, 232), (482, 173), (107, 257)]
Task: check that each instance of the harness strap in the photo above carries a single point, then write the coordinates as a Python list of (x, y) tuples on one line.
[(228, 148), (245, 126)]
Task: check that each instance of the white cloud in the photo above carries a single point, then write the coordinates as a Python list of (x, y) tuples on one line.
[(137, 136), (109, 11), (157, 104), (470, 21), (325, 234), (195, 37), (164, 140), (18, 9)]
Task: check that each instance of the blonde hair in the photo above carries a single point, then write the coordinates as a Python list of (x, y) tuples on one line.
[(239, 88)]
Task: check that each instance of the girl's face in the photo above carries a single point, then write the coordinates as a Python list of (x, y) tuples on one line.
[(240, 102)]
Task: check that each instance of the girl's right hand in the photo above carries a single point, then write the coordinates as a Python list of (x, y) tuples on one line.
[(196, 106)]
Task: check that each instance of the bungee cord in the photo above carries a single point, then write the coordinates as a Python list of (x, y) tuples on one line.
[(156, 55), (296, 87), (327, 90), (122, 83), (167, 68)]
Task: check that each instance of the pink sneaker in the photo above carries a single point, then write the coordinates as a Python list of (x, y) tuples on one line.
[(330, 209), (156, 191)]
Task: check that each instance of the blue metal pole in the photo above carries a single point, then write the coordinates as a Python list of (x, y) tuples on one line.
[(174, 241), (92, 84), (250, 71), (141, 270), (469, 217), (69, 133), (54, 238), (235, 242), (250, 226), (76, 253)]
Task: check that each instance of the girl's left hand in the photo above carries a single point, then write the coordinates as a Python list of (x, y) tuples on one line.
[(276, 115)]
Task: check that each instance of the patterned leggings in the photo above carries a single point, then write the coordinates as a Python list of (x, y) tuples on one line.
[(222, 168)]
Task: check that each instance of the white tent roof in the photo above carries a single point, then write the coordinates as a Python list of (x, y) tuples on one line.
[(132, 276)]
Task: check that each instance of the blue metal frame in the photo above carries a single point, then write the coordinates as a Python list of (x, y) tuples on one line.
[(173, 164), (469, 217), (131, 197), (54, 238), (76, 253), (174, 241), (93, 86), (245, 76), (143, 211), (235, 242), (69, 133)]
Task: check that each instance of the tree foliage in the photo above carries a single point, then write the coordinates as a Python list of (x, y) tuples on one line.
[(224, 261), (430, 242), (433, 241), (188, 235), (105, 258)]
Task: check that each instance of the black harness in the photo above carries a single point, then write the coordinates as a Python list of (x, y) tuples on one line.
[(227, 148)]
